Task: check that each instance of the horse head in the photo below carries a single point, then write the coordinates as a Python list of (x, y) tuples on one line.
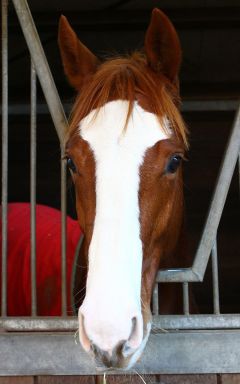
[(124, 147)]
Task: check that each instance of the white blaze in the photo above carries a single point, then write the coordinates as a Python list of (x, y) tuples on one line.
[(115, 253)]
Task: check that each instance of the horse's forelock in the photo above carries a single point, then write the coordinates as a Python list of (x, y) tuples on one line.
[(129, 78)]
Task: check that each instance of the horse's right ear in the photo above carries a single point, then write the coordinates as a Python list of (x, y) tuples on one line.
[(78, 61), (162, 46)]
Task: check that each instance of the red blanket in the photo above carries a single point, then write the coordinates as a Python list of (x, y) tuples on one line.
[(48, 263)]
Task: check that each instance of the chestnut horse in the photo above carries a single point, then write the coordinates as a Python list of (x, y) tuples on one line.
[(124, 148)]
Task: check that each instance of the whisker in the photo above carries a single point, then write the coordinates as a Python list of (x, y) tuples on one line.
[(104, 378), (79, 299), (144, 305), (81, 266), (159, 330), (70, 312), (76, 338), (156, 330), (140, 376), (78, 292)]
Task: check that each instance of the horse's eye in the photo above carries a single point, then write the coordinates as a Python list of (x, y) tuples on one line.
[(71, 165), (173, 164)]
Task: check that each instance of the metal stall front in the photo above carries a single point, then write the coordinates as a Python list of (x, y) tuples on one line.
[(179, 343)]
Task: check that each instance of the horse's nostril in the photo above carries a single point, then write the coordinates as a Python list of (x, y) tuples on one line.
[(84, 339), (108, 359), (134, 324), (136, 335)]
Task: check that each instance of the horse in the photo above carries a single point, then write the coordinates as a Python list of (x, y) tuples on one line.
[(125, 147)]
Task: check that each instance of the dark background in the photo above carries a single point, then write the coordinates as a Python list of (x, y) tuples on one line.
[(210, 85)]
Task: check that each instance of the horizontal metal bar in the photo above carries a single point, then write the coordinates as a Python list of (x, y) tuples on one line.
[(42, 68), (21, 109), (187, 106), (169, 352), (179, 275), (209, 105), (31, 324), (110, 18), (160, 322), (182, 322)]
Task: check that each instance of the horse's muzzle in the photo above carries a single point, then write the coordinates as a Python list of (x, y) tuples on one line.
[(112, 356), (105, 359)]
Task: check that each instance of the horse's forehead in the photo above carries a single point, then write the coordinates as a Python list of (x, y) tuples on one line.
[(105, 130)]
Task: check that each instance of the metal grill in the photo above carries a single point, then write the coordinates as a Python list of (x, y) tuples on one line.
[(208, 242), (213, 338), (40, 68)]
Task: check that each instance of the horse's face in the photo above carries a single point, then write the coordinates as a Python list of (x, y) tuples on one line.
[(125, 166)]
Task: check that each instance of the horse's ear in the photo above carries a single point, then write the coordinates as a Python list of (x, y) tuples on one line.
[(78, 61), (162, 46)]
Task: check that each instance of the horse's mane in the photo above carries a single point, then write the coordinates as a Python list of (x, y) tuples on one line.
[(129, 78)]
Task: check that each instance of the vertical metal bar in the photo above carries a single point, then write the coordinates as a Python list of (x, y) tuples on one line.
[(185, 299), (33, 162), (216, 305), (155, 300), (239, 171), (4, 153), (64, 234)]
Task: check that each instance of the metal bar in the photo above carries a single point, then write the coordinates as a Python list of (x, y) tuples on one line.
[(185, 299), (166, 352), (64, 234), (187, 106), (216, 305), (33, 165), (155, 309), (39, 324), (209, 105), (177, 275), (42, 68), (4, 153), (56, 110), (23, 109), (198, 322), (102, 20), (219, 198), (74, 273), (239, 171), (160, 323), (196, 273)]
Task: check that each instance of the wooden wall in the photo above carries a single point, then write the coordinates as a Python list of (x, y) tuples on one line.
[(126, 379)]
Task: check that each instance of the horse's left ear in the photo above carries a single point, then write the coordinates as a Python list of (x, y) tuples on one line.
[(162, 46)]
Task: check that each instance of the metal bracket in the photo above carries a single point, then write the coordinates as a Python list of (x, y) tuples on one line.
[(197, 271)]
